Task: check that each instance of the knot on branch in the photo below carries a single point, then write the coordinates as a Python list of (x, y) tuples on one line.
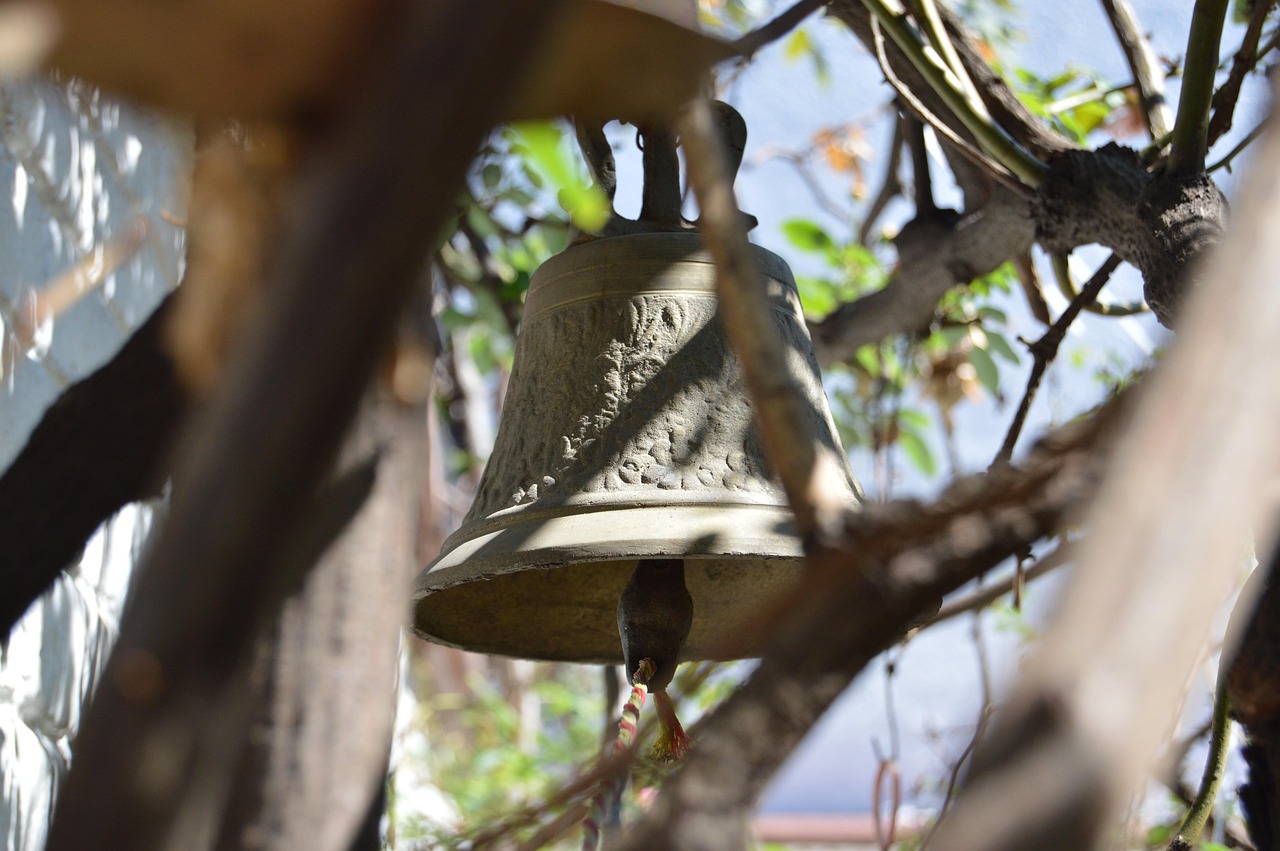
[(1159, 224), (1185, 216)]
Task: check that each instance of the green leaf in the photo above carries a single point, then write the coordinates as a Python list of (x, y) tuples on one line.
[(818, 296), (868, 358), (998, 344), (918, 452), (585, 202), (988, 372), (913, 419), (807, 236), (797, 45), (491, 175)]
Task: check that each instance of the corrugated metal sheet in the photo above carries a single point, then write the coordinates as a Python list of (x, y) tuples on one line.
[(77, 171)]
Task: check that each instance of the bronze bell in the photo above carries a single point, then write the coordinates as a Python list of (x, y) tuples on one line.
[(626, 435)]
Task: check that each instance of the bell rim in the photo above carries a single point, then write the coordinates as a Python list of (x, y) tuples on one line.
[(697, 520)]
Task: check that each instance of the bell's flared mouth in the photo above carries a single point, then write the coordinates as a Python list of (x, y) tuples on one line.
[(549, 589)]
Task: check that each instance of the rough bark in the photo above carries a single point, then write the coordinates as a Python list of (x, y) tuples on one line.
[(936, 253), (98, 448), (1160, 224), (318, 750), (1253, 681)]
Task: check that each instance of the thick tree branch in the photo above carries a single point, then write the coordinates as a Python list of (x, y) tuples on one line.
[(1161, 225), (385, 181), (935, 254), (98, 448)]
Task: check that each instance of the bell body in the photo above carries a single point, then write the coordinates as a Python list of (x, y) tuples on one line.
[(626, 434)]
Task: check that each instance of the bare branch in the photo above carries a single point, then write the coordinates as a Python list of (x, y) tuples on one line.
[(889, 189), (346, 265), (1045, 350), (1143, 63), (765, 34), (810, 476), (1246, 59)]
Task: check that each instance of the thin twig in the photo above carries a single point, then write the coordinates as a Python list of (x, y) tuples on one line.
[(987, 595), (1246, 59), (1067, 286), (750, 43), (931, 23), (1215, 763), (1143, 63), (889, 189), (1248, 140), (1191, 132), (1044, 350)]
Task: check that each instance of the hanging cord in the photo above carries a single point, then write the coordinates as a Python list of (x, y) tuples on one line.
[(610, 795), (673, 743)]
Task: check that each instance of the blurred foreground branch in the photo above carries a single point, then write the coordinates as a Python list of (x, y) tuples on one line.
[(375, 194), (1192, 480)]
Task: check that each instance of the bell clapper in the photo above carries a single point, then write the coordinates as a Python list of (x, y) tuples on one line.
[(655, 614)]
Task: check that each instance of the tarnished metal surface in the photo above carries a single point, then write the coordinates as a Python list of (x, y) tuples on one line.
[(626, 434)]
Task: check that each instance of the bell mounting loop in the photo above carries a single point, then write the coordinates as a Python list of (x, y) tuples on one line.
[(663, 198)]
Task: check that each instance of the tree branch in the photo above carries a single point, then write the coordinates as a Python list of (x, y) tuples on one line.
[(1092, 710), (98, 448), (1191, 132), (1045, 350), (1224, 99), (1143, 63), (765, 34), (346, 264)]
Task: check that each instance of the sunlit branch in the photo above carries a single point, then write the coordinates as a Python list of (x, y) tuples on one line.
[(1215, 764), (931, 23), (1190, 133), (973, 154), (775, 29), (1045, 350), (992, 138), (1144, 64)]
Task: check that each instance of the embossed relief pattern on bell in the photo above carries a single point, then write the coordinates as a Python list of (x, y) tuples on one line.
[(664, 390)]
